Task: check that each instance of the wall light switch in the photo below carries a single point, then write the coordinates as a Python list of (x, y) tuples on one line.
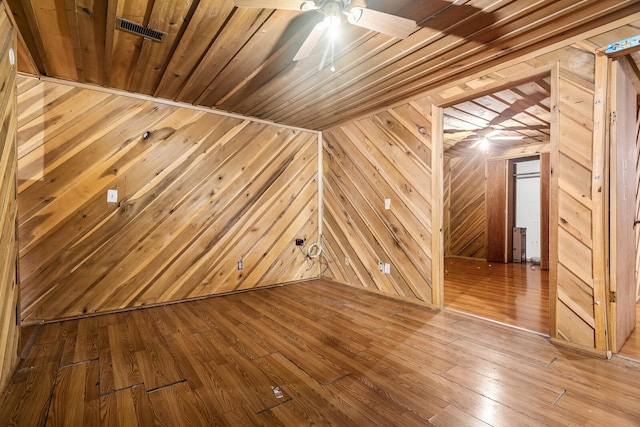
[(112, 196), (387, 268), (387, 204)]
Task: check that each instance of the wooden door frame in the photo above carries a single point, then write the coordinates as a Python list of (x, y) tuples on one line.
[(437, 181), (612, 202)]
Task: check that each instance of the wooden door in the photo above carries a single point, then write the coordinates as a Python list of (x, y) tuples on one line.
[(497, 218), (545, 182), (623, 205)]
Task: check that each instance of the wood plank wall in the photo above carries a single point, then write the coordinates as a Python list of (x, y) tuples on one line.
[(465, 216), (385, 156), (637, 228), (365, 155), (572, 161), (9, 289), (202, 192)]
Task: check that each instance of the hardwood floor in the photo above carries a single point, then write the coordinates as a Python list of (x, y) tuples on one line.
[(631, 348), (516, 294), (313, 353)]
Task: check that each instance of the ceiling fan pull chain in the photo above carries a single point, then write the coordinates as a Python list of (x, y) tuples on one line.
[(333, 68)]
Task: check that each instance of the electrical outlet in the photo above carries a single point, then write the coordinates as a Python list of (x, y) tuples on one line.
[(346, 261), (387, 268), (112, 196), (299, 242), (240, 265), (381, 266), (387, 204)]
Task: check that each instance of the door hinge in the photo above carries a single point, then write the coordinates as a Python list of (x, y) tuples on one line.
[(613, 296), (613, 117)]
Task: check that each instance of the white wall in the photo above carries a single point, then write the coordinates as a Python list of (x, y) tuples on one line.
[(528, 204)]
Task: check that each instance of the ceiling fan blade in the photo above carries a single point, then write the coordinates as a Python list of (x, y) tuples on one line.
[(507, 138), (385, 23), (276, 4), (475, 142), (458, 131), (517, 128), (311, 41)]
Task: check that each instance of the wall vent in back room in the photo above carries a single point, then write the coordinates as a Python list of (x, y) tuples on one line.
[(132, 27)]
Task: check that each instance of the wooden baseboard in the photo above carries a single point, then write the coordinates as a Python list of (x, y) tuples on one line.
[(162, 304), (465, 258)]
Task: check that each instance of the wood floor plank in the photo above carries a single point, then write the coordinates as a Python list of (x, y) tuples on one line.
[(402, 386), (323, 329), (339, 356), (254, 387), (369, 403), (199, 363), (122, 358), (245, 417), (177, 405), (598, 413), (453, 416), (155, 362), (83, 345), (304, 390), (128, 407), (516, 293), (76, 397), (29, 396), (535, 349), (535, 402), (295, 346), (246, 342)]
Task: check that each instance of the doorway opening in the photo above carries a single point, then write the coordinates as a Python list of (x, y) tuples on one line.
[(496, 174)]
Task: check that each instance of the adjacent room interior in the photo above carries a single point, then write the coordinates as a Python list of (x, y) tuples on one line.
[(492, 183)]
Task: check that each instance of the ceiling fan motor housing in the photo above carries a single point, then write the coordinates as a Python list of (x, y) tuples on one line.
[(332, 11)]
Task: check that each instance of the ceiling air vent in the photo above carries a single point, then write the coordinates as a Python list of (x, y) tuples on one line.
[(132, 27)]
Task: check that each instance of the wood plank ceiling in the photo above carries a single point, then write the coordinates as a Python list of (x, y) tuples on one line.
[(515, 116), (240, 59)]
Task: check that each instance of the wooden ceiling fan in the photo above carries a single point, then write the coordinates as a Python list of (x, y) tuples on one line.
[(333, 10)]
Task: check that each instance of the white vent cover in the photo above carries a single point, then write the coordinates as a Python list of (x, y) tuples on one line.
[(147, 33)]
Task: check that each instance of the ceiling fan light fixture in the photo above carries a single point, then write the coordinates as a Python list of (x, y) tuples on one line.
[(332, 14)]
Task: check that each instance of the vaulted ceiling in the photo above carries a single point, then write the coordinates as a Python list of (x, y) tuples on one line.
[(240, 59)]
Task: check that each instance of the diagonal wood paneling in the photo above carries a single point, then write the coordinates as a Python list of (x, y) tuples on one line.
[(201, 193), (386, 156), (465, 227), (9, 289), (360, 170), (573, 157)]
